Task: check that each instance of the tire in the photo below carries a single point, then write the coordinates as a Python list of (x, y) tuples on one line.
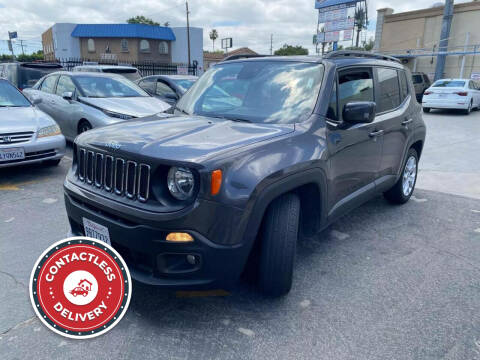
[(84, 126), (52, 162), (278, 245), (426, 110), (397, 194), (469, 110)]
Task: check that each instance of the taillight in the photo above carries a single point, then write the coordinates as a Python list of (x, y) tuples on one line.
[(462, 93), (427, 93)]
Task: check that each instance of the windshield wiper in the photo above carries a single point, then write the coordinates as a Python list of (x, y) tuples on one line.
[(236, 119)]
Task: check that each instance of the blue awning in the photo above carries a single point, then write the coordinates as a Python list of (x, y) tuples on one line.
[(141, 31)]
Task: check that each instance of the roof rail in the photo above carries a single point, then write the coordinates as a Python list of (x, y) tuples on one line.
[(243, 56), (365, 54)]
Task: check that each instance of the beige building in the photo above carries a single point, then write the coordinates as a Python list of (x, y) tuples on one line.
[(210, 59), (414, 37)]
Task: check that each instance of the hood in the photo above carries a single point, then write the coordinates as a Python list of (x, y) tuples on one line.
[(20, 119), (133, 106), (191, 139)]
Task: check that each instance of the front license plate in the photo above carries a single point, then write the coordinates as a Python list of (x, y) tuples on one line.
[(12, 154), (96, 231)]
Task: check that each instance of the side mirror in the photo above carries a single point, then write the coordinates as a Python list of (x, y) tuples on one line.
[(36, 100), (359, 112), (67, 95)]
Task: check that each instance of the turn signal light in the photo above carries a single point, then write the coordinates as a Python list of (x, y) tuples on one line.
[(179, 237), (216, 182), (462, 93)]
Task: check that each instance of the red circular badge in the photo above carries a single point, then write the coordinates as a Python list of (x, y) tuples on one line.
[(80, 287)]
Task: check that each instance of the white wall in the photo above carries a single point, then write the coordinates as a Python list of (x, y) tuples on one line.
[(65, 45), (180, 49)]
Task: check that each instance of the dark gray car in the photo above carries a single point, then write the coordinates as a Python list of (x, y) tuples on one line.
[(168, 88), (257, 150)]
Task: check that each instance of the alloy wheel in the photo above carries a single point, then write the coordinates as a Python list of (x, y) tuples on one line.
[(409, 176)]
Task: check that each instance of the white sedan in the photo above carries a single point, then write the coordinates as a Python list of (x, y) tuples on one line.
[(459, 94)]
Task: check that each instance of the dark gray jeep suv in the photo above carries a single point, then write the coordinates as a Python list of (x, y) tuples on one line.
[(256, 151)]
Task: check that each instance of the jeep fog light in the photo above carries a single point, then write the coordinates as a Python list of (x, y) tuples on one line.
[(179, 237)]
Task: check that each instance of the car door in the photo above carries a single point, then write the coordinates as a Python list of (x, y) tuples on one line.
[(395, 118), (475, 94), (166, 93), (355, 150), (69, 112), (46, 92)]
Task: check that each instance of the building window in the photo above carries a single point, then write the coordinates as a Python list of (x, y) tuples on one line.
[(163, 47), (144, 46), (124, 45), (91, 45)]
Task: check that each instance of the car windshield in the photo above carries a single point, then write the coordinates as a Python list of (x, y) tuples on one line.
[(280, 92), (10, 96), (184, 84), (130, 74), (106, 87), (28, 76), (449, 83), (417, 79)]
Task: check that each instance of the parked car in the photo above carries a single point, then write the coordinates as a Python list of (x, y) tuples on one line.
[(131, 73), (283, 145), (25, 75), (459, 94), (168, 88), (82, 101), (421, 82), (27, 135)]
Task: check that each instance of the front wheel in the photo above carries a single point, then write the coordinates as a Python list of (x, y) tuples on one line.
[(426, 110), (279, 236), (84, 126), (469, 109), (401, 192)]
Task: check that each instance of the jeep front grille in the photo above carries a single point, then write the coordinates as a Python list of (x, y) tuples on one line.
[(114, 174)]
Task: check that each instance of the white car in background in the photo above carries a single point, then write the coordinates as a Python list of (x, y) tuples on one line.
[(459, 94), (27, 135)]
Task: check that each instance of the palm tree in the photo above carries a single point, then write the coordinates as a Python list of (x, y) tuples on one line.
[(360, 22), (213, 37)]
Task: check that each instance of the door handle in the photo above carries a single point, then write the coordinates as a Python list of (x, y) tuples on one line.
[(376, 134), (407, 122)]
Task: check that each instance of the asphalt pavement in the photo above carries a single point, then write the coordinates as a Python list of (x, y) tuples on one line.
[(383, 282)]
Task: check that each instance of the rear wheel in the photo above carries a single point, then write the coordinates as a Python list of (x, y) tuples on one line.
[(84, 126), (401, 192), (426, 110), (469, 109), (278, 245)]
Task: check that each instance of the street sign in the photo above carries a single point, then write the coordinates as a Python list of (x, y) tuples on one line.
[(12, 35), (227, 43)]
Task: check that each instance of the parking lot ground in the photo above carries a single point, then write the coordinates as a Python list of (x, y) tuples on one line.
[(383, 282)]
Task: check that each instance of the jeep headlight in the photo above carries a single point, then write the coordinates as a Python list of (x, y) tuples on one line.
[(51, 130), (180, 182)]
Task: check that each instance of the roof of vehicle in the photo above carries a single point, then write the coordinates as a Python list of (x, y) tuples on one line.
[(87, 73), (106, 67), (48, 65), (123, 31), (174, 77), (341, 58)]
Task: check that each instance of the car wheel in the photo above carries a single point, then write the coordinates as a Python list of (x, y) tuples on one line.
[(278, 245), (84, 126), (401, 192), (52, 162), (75, 294), (426, 110), (469, 110)]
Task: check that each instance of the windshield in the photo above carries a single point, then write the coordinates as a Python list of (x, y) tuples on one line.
[(280, 92), (130, 74), (9, 96), (417, 79), (105, 87), (449, 83), (184, 84), (27, 77)]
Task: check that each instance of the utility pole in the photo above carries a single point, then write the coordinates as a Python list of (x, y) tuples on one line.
[(445, 34), (21, 44), (271, 44), (188, 33)]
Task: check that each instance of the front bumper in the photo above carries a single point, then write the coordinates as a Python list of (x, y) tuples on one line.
[(153, 260), (38, 150)]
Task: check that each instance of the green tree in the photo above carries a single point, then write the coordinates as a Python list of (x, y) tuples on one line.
[(288, 50), (140, 19), (213, 36)]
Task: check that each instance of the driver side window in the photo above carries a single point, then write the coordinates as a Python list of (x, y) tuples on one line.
[(355, 85)]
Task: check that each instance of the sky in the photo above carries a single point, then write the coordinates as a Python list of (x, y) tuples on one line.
[(249, 22)]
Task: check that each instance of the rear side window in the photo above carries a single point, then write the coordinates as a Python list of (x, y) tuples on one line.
[(388, 90), (65, 84), (403, 84), (355, 85), (48, 85)]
